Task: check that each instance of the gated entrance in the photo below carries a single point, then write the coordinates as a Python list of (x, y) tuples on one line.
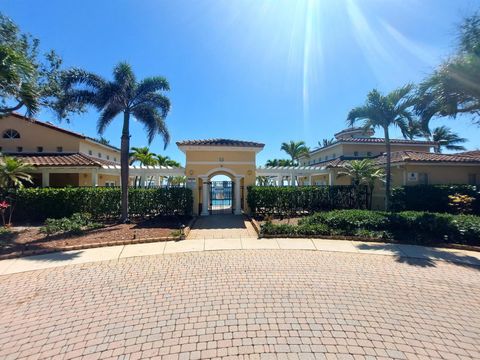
[(221, 197)]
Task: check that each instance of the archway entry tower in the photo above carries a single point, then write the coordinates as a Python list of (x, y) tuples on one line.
[(207, 158)]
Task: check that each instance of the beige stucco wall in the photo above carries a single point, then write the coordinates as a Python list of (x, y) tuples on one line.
[(33, 135), (105, 152), (201, 163)]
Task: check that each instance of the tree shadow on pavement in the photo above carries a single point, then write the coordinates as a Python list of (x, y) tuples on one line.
[(423, 256)]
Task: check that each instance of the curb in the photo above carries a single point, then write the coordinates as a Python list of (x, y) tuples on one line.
[(25, 253)]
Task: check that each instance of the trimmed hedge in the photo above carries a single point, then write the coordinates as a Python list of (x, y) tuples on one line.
[(432, 198), (408, 226), (38, 204), (288, 200)]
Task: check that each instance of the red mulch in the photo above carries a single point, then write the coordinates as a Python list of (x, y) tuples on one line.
[(22, 238)]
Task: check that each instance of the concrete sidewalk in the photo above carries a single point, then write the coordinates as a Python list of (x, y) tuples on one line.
[(429, 254)]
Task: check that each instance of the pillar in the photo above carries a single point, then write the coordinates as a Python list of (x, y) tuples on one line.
[(45, 178), (94, 178), (205, 196), (310, 180), (238, 196), (330, 177)]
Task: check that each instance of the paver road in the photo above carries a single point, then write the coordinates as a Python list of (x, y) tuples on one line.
[(243, 304)]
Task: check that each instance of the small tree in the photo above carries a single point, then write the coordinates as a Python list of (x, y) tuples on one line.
[(296, 150), (362, 172), (13, 175)]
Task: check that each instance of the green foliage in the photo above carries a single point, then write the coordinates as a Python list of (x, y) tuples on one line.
[(75, 224), (409, 226), (289, 200), (101, 203), (26, 78), (295, 150), (13, 172), (433, 198)]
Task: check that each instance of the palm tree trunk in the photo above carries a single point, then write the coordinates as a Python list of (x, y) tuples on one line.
[(389, 170), (124, 165)]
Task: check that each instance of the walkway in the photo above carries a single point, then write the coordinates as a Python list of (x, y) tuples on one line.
[(222, 227), (246, 304)]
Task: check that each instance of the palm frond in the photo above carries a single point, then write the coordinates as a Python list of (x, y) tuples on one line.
[(153, 123), (107, 116)]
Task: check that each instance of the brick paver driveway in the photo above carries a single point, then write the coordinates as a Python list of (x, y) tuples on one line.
[(244, 304)]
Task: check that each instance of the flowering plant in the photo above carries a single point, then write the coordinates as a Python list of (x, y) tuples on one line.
[(4, 205)]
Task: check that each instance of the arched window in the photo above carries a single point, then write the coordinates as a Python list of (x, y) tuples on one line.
[(11, 134)]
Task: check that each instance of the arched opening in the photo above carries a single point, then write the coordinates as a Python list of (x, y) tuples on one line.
[(221, 188)]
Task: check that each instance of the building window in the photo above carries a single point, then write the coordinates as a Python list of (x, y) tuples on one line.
[(423, 178), (108, 157), (355, 153), (472, 179), (100, 155), (90, 152), (39, 148), (1, 149), (114, 159), (59, 149), (19, 149), (11, 134), (334, 156), (369, 153), (110, 183)]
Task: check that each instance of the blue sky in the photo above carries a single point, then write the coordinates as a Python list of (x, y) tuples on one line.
[(261, 70)]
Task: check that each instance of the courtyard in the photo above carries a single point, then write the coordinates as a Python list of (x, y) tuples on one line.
[(374, 302)]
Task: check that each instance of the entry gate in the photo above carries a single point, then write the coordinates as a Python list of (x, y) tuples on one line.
[(221, 197)]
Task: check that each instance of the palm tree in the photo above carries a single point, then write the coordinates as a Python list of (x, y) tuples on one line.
[(278, 162), (326, 142), (124, 95), (414, 130), (143, 156), (296, 149), (166, 161), (384, 111), (362, 172), (445, 137), (14, 173)]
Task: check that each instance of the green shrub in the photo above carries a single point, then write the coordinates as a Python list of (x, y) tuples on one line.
[(290, 200), (433, 198), (75, 224), (407, 226), (37, 204)]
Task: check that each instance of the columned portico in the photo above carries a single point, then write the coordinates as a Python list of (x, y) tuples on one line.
[(238, 195), (205, 196)]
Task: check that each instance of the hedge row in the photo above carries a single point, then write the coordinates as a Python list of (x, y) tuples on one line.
[(408, 226), (433, 198), (40, 203), (288, 200)]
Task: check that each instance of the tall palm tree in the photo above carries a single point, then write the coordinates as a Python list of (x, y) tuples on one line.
[(142, 155), (362, 172), (295, 149), (384, 111), (166, 161), (326, 142), (14, 173), (144, 100), (413, 130), (445, 137)]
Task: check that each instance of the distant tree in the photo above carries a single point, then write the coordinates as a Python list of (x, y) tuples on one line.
[(176, 180), (296, 150), (453, 88), (447, 139), (278, 162), (414, 130), (362, 172), (124, 95), (326, 142), (143, 156), (103, 140), (166, 161), (27, 80), (385, 111)]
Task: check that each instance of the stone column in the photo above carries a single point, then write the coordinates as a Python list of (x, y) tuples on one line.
[(45, 178), (205, 196), (330, 177), (94, 177), (238, 197)]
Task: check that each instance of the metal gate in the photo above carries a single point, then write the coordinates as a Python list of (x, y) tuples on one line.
[(221, 197)]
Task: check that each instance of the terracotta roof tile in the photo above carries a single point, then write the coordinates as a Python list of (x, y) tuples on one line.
[(418, 156), (472, 153), (220, 142), (58, 159)]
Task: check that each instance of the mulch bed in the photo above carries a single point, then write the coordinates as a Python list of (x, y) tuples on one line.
[(29, 238)]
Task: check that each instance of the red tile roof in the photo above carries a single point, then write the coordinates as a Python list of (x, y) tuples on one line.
[(220, 142), (473, 153), (393, 141), (59, 159)]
